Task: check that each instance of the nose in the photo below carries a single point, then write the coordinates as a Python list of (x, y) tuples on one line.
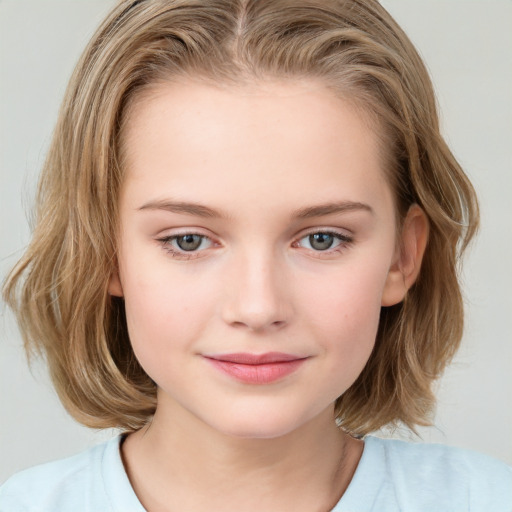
[(257, 295)]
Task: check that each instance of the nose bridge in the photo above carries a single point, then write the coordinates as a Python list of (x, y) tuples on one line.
[(256, 290)]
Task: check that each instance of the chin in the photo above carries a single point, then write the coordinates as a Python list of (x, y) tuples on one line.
[(259, 426)]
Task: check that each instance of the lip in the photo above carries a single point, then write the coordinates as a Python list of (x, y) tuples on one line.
[(256, 368)]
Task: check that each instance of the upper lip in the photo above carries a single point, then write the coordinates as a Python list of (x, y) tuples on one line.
[(255, 359)]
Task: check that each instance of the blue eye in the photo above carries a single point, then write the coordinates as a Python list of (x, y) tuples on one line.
[(189, 242), (321, 241), (324, 240), (190, 245), (185, 246)]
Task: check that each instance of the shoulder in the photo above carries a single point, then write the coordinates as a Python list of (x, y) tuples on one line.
[(443, 475), (70, 484)]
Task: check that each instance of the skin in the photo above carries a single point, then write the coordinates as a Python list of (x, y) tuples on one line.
[(256, 284)]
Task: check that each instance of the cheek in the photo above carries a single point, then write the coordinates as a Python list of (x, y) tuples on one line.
[(164, 312), (345, 311)]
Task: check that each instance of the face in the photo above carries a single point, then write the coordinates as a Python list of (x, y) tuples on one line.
[(257, 246)]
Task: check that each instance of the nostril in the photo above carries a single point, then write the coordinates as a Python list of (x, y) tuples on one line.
[(256, 326)]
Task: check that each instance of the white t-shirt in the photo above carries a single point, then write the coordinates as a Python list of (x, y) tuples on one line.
[(392, 476)]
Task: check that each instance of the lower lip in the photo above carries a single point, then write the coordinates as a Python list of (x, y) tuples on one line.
[(257, 373)]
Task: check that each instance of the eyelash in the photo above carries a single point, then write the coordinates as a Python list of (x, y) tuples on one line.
[(166, 241)]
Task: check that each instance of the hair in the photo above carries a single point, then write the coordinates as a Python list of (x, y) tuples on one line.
[(58, 289)]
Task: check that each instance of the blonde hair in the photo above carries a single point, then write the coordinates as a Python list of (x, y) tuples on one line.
[(59, 287)]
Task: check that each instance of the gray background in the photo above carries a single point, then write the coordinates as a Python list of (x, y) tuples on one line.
[(468, 48)]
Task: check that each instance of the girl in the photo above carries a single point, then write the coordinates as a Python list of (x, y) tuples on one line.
[(245, 256)]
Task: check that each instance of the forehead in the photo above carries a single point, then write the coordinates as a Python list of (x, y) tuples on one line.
[(283, 110), (234, 144)]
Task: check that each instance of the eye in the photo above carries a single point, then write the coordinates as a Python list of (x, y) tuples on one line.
[(189, 242), (185, 246), (322, 241)]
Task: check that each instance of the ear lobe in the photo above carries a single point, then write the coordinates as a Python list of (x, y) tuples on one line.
[(115, 288), (406, 267)]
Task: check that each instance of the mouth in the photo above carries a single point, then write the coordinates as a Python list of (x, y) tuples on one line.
[(256, 368)]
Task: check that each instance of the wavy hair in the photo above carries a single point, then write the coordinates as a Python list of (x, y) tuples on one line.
[(58, 289)]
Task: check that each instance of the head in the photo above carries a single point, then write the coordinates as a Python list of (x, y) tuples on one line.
[(67, 304)]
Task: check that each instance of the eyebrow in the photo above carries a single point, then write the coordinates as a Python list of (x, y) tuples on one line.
[(308, 212), (320, 210)]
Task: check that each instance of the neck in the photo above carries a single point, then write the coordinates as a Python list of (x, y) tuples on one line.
[(187, 465)]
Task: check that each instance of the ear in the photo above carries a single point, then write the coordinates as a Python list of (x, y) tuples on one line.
[(407, 262), (115, 288)]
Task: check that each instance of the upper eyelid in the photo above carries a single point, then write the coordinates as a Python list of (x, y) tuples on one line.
[(172, 236), (343, 233), (335, 231)]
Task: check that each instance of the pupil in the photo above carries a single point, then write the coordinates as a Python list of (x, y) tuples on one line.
[(321, 241), (189, 242)]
